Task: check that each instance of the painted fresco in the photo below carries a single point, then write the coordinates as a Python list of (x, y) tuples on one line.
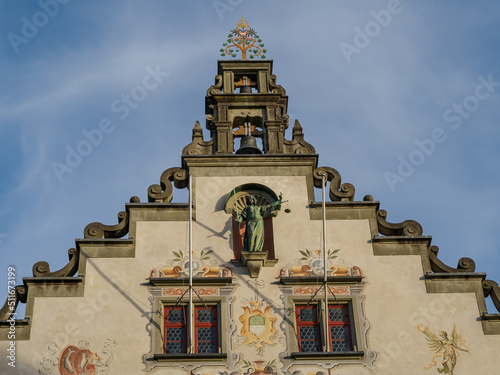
[(258, 325), (77, 359), (204, 265), (310, 263), (447, 348), (259, 367)]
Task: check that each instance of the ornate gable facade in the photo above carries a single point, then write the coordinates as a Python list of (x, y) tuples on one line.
[(255, 276)]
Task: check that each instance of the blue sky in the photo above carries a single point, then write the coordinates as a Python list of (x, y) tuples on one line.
[(369, 82)]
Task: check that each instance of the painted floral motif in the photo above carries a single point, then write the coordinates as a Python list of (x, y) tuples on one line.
[(445, 347), (260, 367), (180, 291), (309, 290), (203, 266), (78, 359), (310, 263)]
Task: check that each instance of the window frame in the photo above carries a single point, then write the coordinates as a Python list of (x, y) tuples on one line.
[(167, 325), (295, 291), (215, 324), (213, 304), (318, 323), (215, 311), (337, 323), (219, 292), (300, 323)]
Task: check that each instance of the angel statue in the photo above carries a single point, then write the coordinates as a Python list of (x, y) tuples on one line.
[(252, 214), (444, 347)]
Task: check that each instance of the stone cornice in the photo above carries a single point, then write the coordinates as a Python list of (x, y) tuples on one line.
[(282, 164), (262, 64)]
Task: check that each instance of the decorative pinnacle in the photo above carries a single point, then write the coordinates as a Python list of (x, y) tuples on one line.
[(245, 39)]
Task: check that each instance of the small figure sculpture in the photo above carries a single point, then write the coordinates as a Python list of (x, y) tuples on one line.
[(252, 214)]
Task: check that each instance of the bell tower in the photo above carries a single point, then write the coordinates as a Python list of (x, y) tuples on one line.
[(246, 102)]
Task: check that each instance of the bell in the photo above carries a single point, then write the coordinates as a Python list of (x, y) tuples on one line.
[(245, 89), (248, 146)]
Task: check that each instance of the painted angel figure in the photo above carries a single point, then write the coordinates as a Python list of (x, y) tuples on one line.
[(445, 347)]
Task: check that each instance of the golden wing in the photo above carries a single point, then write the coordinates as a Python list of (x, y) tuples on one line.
[(454, 335), (433, 341), (458, 342)]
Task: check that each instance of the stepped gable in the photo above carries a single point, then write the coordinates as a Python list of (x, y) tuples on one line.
[(256, 280)]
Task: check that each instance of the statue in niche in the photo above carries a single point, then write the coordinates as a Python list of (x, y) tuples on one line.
[(252, 214)]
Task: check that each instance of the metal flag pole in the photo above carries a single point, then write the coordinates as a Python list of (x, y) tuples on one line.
[(190, 307), (325, 274), (236, 203)]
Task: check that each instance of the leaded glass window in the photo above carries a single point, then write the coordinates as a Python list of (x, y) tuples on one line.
[(175, 330), (205, 329), (310, 328)]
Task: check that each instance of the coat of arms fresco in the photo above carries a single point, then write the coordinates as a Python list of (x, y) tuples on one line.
[(258, 325)]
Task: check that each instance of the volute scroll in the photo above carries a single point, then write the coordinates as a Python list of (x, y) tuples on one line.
[(16, 295), (464, 264), (405, 228), (98, 230), (164, 192), (42, 269), (491, 289), (338, 192)]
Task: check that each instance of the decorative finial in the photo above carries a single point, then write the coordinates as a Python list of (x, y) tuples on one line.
[(245, 39), (242, 23)]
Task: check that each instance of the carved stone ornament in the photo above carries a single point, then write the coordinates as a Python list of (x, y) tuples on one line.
[(338, 192), (254, 261), (42, 269), (491, 289), (16, 295), (215, 88), (275, 88), (464, 264), (99, 231), (198, 146), (297, 145), (406, 228), (163, 192)]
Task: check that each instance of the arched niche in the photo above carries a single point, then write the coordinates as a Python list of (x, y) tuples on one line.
[(235, 202)]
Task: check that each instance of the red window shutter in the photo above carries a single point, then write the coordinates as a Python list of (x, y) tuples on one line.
[(339, 328), (175, 330), (308, 329), (206, 329)]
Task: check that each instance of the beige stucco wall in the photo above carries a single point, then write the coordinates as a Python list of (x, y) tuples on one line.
[(116, 303)]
